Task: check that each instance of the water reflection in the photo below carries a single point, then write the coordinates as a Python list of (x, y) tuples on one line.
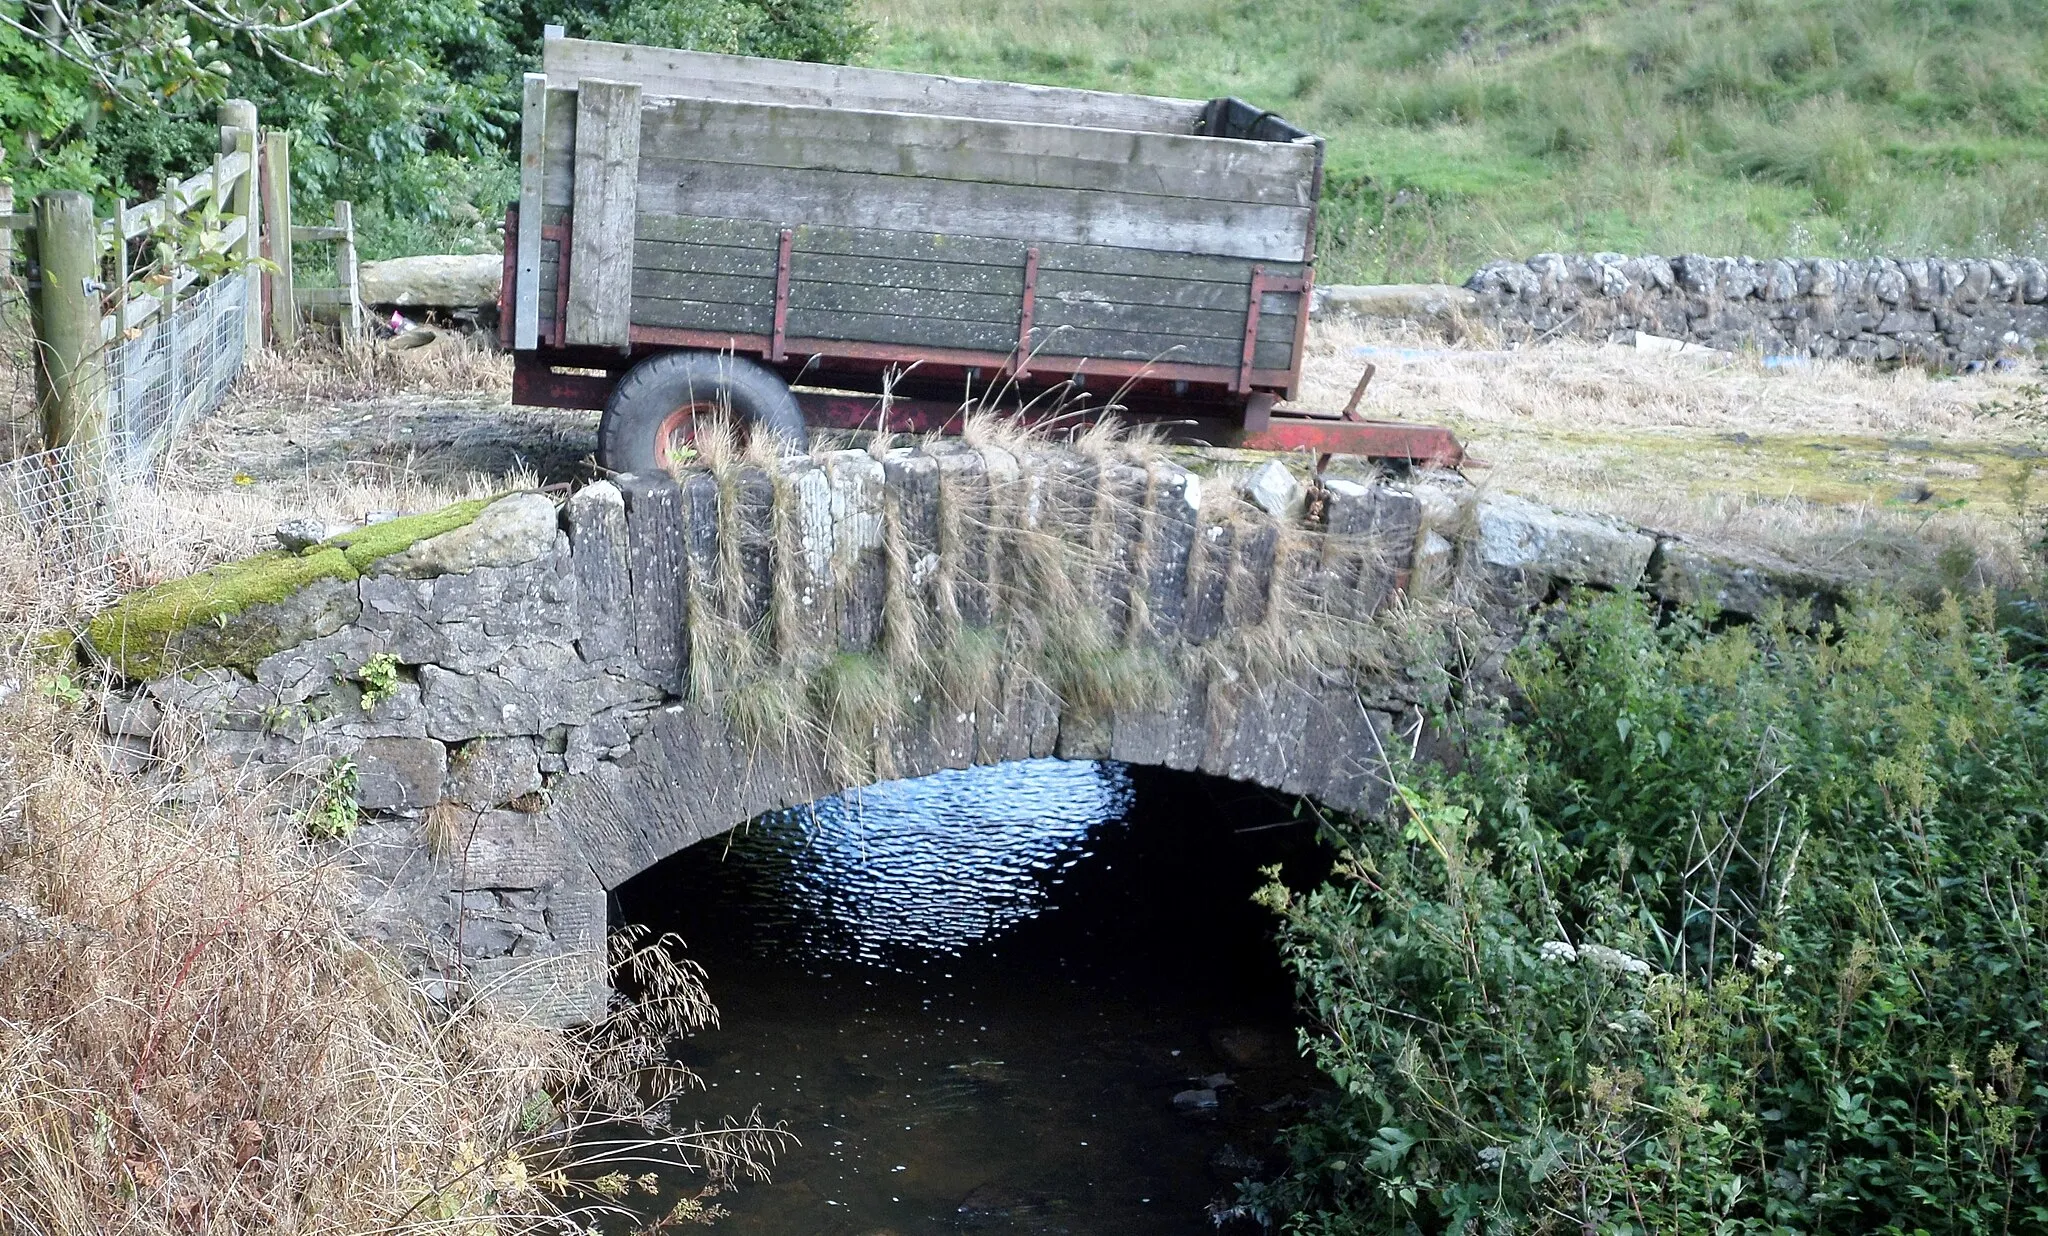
[(907, 872), (1029, 998)]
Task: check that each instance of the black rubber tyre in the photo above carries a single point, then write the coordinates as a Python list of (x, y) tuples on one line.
[(657, 403)]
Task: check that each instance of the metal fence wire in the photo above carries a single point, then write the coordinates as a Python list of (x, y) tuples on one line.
[(169, 374)]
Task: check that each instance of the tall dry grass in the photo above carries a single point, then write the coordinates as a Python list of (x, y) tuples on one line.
[(189, 1042)]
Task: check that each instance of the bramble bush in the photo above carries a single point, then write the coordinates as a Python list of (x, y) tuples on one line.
[(1732, 931)]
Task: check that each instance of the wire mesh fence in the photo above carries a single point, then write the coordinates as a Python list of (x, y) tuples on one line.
[(65, 506)]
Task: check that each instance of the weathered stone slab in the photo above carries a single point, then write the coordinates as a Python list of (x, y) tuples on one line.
[(1173, 515), (964, 580), (1520, 536), (911, 509), (859, 563), (604, 584), (1209, 570), (489, 772), (1746, 584), (1251, 572), (750, 521), (1117, 540), (515, 529), (656, 557), (400, 774)]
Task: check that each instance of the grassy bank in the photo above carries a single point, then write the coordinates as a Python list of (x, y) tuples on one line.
[(1462, 131)]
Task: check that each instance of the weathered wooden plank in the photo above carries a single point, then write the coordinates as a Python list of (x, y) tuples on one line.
[(1172, 262), (604, 199), (800, 196), (964, 148), (834, 297), (532, 167), (716, 289), (994, 280), (1272, 353), (905, 302), (1167, 319), (1166, 266), (889, 328), (703, 315), (1089, 286), (662, 71), (652, 255)]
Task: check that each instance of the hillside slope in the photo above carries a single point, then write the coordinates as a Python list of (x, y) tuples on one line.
[(1463, 130)]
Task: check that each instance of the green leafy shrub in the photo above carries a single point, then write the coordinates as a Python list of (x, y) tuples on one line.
[(1715, 931)]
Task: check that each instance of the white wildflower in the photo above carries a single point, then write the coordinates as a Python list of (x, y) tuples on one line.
[(1558, 953), (1613, 960)]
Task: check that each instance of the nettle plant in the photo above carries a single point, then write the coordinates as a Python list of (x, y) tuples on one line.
[(1735, 930)]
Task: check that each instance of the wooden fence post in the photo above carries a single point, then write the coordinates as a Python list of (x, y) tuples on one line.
[(352, 321), (277, 208), (238, 135), (6, 245), (71, 367)]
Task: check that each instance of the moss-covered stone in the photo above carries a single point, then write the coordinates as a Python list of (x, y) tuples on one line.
[(238, 613)]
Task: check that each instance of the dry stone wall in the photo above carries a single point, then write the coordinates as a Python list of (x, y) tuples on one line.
[(532, 708), (1953, 313)]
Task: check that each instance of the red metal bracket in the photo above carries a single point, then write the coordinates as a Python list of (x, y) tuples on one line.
[(1251, 329), (1021, 367), (559, 233), (775, 335)]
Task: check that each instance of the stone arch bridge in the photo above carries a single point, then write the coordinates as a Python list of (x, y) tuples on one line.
[(532, 701)]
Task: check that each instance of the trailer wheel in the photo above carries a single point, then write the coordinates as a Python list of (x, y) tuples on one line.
[(655, 410)]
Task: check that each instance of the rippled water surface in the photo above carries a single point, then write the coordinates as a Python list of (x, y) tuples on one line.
[(973, 997)]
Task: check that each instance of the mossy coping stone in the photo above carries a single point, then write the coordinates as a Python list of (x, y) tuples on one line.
[(139, 636)]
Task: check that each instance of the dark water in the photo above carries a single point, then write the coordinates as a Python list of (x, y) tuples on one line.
[(973, 997)]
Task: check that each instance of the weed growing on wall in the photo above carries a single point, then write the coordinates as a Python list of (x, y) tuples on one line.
[(1733, 930)]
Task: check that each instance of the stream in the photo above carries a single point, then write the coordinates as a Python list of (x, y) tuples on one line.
[(1034, 997)]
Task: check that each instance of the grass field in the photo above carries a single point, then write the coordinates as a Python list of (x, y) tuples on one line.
[(1463, 130)]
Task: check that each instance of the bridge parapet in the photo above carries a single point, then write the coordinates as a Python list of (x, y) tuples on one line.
[(532, 706)]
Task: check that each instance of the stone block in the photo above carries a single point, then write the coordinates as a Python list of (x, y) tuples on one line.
[(860, 567), (809, 571), (400, 774), (1173, 515), (965, 583), (1115, 540), (1273, 488), (131, 716), (489, 772), (912, 511), (1516, 535), (604, 586), (1252, 571), (751, 524), (656, 559), (515, 529), (1745, 584), (1215, 548)]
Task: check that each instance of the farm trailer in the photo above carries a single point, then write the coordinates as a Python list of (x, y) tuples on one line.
[(800, 244)]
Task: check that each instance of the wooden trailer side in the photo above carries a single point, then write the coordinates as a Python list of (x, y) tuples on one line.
[(920, 231)]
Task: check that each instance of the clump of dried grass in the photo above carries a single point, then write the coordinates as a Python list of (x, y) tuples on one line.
[(188, 1041), (326, 369)]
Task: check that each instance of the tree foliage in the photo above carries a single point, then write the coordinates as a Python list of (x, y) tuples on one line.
[(1717, 931), (408, 107)]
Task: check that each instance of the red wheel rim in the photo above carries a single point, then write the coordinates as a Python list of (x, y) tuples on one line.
[(679, 428)]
